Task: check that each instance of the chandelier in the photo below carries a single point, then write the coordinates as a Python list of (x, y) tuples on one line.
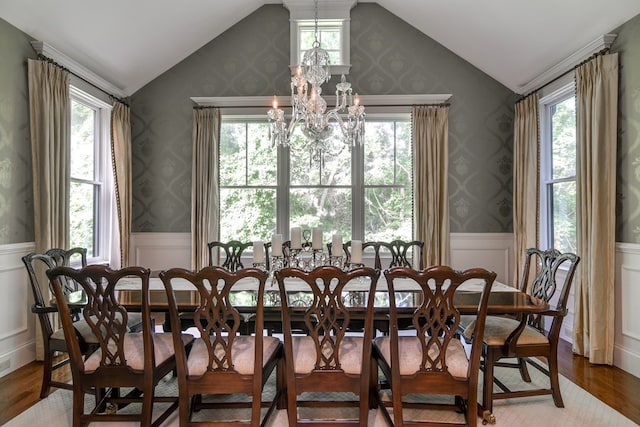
[(309, 109)]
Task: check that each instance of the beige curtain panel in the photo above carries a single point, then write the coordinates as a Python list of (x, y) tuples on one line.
[(121, 159), (526, 178), (430, 128), (596, 116), (49, 122), (205, 186)]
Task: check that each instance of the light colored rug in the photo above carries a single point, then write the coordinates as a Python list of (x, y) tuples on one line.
[(581, 409)]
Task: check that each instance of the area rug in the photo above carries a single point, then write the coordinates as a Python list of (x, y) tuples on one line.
[(581, 409)]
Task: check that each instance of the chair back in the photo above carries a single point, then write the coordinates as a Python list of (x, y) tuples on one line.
[(436, 318), (400, 253), (233, 250), (107, 319), (216, 316), (326, 317), (36, 265), (540, 279)]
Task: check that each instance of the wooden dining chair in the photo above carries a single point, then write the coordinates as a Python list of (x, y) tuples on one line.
[(326, 359), (431, 361), (222, 361), (526, 337), (124, 359), (229, 253), (53, 337)]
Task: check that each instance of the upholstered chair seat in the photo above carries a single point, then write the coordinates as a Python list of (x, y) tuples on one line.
[(242, 350), (410, 352), (497, 330), (304, 353)]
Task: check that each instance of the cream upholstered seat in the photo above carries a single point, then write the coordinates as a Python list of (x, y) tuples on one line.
[(123, 359), (326, 359), (221, 360), (498, 329), (434, 361)]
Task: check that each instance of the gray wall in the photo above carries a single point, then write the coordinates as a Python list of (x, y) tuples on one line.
[(388, 56), (16, 191), (628, 186)]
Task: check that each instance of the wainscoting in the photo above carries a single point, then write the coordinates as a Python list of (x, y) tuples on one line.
[(163, 250), (17, 323)]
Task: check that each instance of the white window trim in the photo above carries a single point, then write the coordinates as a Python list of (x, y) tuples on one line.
[(104, 172), (554, 93)]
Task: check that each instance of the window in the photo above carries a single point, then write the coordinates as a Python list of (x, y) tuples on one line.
[(361, 193), (558, 170), (90, 195), (329, 37)]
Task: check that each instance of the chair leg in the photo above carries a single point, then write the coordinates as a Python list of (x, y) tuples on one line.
[(553, 379), (46, 374), (524, 371), (147, 408), (487, 389), (292, 407)]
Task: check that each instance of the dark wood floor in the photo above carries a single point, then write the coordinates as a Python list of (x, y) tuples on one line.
[(20, 389)]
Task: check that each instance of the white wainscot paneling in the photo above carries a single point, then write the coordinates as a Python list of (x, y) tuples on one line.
[(493, 251), (17, 323), (159, 251), (627, 315)]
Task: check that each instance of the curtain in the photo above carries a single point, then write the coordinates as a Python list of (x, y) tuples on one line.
[(121, 162), (49, 122), (430, 128), (526, 178), (596, 119), (204, 189)]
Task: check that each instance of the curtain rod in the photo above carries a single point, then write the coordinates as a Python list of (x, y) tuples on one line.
[(595, 55), (441, 104), (112, 97)]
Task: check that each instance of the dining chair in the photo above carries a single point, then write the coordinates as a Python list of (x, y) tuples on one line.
[(222, 361), (326, 359), (545, 273), (432, 360), (53, 337), (232, 249), (123, 359)]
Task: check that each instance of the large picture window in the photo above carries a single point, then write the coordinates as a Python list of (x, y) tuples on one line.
[(363, 193)]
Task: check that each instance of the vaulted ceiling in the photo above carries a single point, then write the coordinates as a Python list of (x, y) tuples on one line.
[(129, 43)]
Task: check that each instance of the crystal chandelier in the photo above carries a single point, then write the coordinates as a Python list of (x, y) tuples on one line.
[(309, 109)]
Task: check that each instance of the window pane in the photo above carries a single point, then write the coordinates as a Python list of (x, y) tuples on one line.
[(233, 137), (330, 39), (404, 161), (329, 208), (82, 141), (563, 139), (335, 169), (564, 216), (263, 158), (247, 214), (82, 215), (388, 214), (379, 153)]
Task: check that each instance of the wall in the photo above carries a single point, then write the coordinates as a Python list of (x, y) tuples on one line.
[(16, 191), (388, 56)]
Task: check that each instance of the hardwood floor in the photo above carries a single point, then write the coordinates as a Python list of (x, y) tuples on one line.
[(20, 389)]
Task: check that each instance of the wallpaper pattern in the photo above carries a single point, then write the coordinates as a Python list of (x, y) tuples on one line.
[(388, 56), (628, 194), (16, 190)]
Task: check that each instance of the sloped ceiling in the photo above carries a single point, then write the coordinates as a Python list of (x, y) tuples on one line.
[(514, 41)]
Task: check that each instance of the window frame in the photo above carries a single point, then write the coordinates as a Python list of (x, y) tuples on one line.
[(563, 90), (342, 25), (103, 177)]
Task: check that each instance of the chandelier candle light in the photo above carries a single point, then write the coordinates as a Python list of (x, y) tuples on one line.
[(309, 109)]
